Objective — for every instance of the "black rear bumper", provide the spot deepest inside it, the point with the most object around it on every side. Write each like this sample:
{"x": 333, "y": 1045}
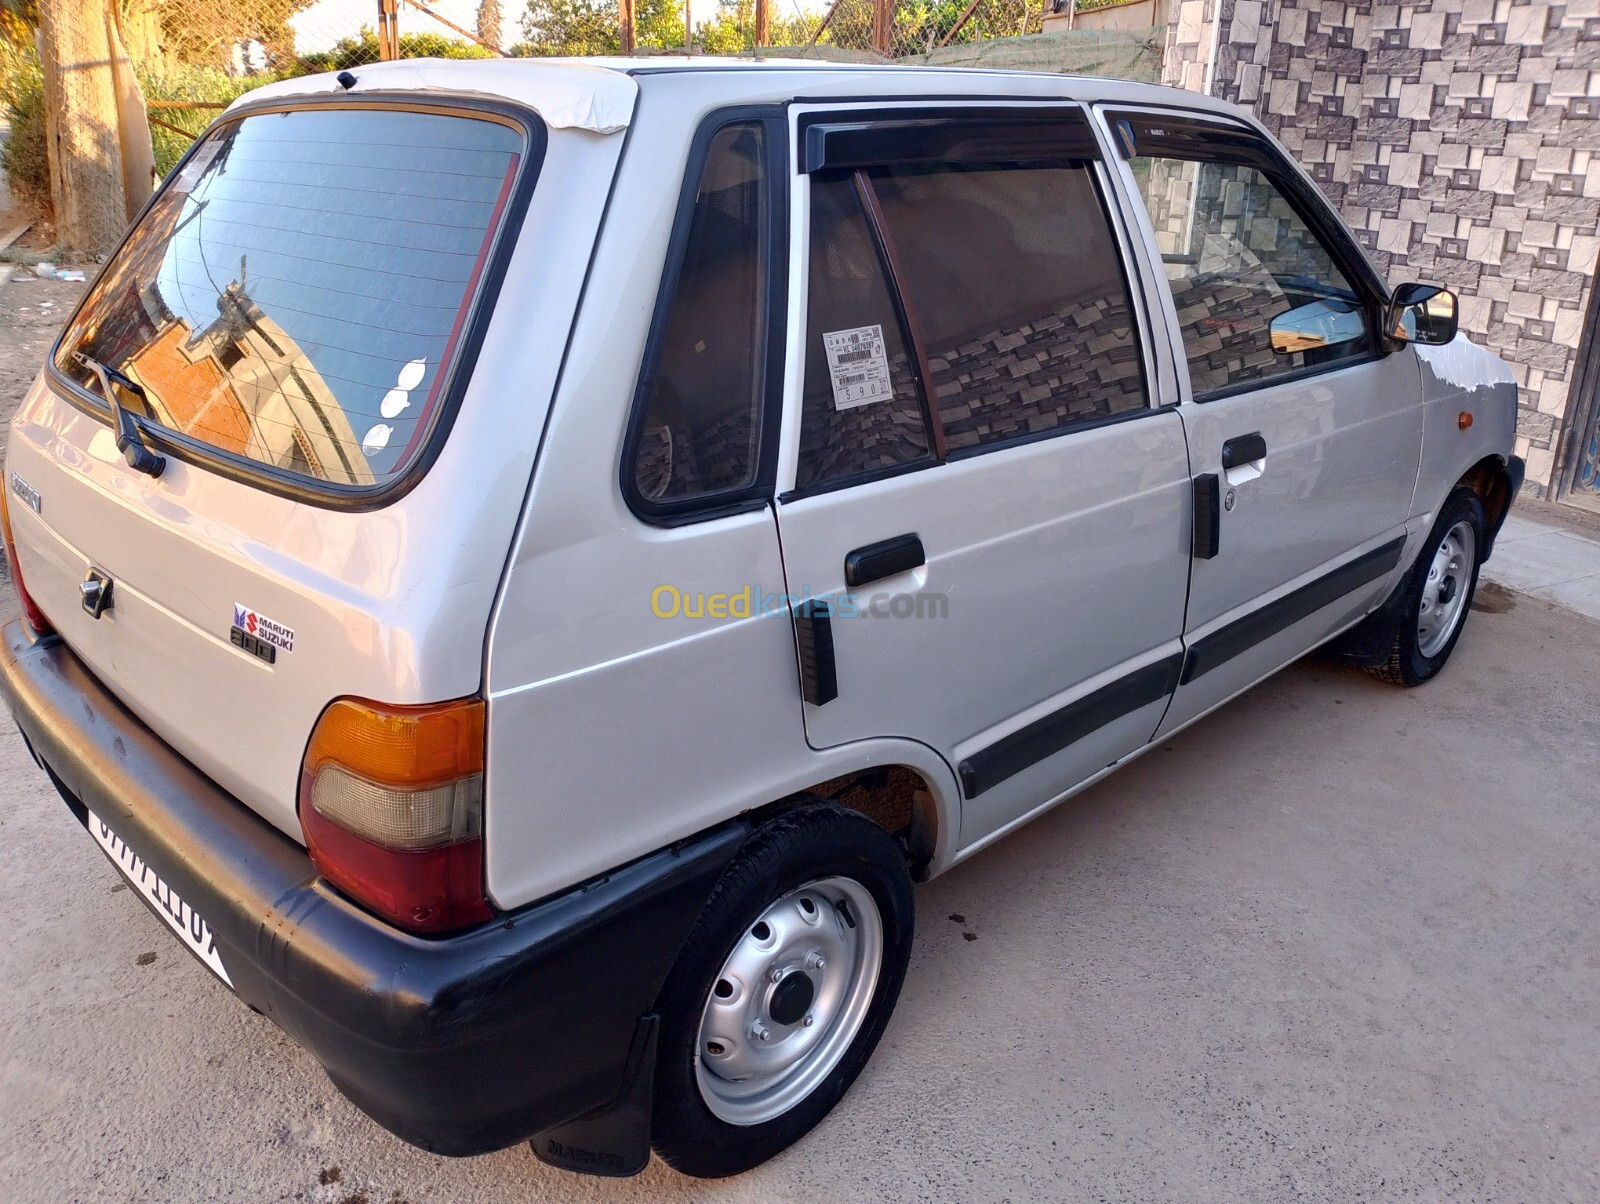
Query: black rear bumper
{"x": 460, "y": 1045}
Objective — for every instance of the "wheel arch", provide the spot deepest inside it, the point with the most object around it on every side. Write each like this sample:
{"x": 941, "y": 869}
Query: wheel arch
{"x": 904, "y": 787}
{"x": 1496, "y": 480}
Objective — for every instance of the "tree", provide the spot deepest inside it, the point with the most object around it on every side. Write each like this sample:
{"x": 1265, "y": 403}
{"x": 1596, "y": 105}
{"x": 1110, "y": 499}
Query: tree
{"x": 589, "y": 27}
{"x": 80, "y": 93}
{"x": 489, "y": 22}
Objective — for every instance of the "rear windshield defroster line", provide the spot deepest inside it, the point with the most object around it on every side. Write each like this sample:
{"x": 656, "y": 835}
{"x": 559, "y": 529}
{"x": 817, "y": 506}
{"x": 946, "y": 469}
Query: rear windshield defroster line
{"x": 302, "y": 300}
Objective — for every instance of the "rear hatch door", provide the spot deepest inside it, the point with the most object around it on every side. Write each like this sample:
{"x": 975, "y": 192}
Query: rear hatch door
{"x": 290, "y": 322}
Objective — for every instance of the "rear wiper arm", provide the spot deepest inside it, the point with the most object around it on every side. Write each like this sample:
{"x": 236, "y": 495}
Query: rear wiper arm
{"x": 130, "y": 439}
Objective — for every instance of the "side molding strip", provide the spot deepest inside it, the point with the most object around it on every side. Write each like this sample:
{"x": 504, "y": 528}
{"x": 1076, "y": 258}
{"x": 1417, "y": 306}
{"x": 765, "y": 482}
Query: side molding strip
{"x": 1242, "y": 634}
{"x": 1044, "y": 737}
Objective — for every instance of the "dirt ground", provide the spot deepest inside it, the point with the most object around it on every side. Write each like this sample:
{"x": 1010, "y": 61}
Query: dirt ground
{"x": 1335, "y": 942}
{"x": 31, "y": 315}
{"x": 31, "y": 310}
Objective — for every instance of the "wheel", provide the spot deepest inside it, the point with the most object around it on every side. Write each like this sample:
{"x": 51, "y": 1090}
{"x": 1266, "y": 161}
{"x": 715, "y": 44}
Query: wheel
{"x": 1438, "y": 593}
{"x": 785, "y": 984}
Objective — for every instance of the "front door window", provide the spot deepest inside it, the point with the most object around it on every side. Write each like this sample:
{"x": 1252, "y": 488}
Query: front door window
{"x": 1258, "y": 293}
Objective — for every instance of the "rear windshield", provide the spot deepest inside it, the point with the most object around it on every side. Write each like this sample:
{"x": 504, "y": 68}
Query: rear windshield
{"x": 296, "y": 293}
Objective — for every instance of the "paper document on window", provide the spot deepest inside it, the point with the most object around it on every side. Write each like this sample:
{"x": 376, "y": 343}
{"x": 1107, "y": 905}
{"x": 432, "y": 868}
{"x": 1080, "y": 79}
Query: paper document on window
{"x": 859, "y": 366}
{"x": 197, "y": 165}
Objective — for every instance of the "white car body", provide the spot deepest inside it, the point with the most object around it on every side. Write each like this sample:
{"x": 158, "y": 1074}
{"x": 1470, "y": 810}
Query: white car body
{"x": 514, "y": 569}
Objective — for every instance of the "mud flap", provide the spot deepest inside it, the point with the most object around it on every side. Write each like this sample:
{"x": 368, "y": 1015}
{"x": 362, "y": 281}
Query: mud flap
{"x": 1367, "y": 644}
{"x": 616, "y": 1140}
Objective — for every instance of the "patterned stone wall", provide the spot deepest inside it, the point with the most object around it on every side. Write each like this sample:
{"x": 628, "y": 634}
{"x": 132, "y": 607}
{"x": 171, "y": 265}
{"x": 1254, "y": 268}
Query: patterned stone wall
{"x": 1461, "y": 139}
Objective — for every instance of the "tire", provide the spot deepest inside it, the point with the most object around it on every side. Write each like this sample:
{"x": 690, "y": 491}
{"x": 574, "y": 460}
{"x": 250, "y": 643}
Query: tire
{"x": 1438, "y": 593}
{"x": 802, "y": 900}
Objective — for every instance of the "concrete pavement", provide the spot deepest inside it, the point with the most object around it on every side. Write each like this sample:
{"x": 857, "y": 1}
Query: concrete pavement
{"x": 1335, "y": 942}
{"x": 1558, "y": 563}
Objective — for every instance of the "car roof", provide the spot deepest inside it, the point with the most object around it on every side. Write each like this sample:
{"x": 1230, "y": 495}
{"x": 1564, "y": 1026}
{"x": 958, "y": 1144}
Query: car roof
{"x": 600, "y": 94}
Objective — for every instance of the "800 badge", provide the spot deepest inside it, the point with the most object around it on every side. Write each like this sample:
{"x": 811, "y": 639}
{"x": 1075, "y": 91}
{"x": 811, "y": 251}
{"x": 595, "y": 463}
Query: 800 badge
{"x": 258, "y": 635}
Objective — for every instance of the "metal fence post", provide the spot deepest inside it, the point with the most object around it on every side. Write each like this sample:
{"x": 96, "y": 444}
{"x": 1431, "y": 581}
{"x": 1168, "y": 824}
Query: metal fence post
{"x": 388, "y": 29}
{"x": 625, "y": 25}
{"x": 883, "y": 27}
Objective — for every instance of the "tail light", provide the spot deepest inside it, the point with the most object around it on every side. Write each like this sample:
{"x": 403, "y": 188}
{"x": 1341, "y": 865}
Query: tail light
{"x": 391, "y": 803}
{"x": 30, "y": 611}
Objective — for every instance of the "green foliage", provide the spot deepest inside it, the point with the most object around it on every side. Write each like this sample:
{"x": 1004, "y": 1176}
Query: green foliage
{"x": 209, "y": 86}
{"x": 556, "y": 28}
{"x": 25, "y": 158}
{"x": 733, "y": 29}
{"x": 921, "y": 25}
{"x": 17, "y": 20}
{"x": 354, "y": 52}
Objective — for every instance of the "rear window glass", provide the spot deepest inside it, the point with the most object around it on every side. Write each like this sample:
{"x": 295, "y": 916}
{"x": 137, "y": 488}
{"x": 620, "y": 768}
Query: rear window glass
{"x": 296, "y": 293}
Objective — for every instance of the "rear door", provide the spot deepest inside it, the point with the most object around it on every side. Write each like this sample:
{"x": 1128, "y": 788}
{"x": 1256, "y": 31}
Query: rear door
{"x": 1304, "y": 431}
{"x": 984, "y": 512}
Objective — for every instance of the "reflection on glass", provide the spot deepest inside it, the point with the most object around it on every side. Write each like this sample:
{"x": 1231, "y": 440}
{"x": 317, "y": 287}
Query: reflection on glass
{"x": 295, "y": 290}
{"x": 1318, "y": 324}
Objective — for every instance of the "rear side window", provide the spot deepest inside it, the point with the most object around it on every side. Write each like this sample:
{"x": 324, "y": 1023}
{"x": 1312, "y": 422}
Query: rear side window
{"x": 296, "y": 295}
{"x": 698, "y": 434}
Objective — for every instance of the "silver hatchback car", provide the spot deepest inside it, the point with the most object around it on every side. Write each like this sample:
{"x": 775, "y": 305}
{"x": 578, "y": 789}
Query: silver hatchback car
{"x": 524, "y": 563}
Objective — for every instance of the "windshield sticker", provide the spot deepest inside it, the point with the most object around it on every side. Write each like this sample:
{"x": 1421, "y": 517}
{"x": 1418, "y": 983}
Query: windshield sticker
{"x": 411, "y": 375}
{"x": 375, "y": 440}
{"x": 196, "y": 166}
{"x": 398, "y": 398}
{"x": 858, "y": 365}
{"x": 258, "y": 635}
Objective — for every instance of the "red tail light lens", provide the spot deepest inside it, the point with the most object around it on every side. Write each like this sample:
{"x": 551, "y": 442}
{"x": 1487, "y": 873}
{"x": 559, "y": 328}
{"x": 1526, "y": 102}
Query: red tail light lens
{"x": 30, "y": 611}
{"x": 391, "y": 803}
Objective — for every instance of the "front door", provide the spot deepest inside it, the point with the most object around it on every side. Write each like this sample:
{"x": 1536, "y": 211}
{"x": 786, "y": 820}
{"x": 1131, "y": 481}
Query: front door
{"x": 1305, "y": 433}
{"x": 987, "y": 519}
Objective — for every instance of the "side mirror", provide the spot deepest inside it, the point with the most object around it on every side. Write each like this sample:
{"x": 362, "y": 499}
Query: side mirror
{"x": 1423, "y": 313}
{"x": 1324, "y": 323}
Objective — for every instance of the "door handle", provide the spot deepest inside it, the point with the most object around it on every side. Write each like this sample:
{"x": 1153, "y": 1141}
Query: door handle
{"x": 883, "y": 559}
{"x": 1244, "y": 449}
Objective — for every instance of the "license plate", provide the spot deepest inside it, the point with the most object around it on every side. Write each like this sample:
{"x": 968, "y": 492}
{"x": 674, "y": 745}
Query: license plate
{"x": 180, "y": 917}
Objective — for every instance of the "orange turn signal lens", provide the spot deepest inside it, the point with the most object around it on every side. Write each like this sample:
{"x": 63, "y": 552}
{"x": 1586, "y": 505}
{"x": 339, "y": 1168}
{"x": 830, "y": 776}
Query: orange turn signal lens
{"x": 1464, "y": 419}
{"x": 400, "y": 746}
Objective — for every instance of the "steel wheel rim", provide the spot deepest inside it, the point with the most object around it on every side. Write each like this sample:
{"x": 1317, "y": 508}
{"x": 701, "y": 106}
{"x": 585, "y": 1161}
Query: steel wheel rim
{"x": 1444, "y": 592}
{"x": 829, "y": 932}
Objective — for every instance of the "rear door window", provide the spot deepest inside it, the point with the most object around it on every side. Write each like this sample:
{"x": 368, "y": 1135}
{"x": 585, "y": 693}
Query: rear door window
{"x": 1019, "y": 290}
{"x": 862, "y": 411}
{"x": 966, "y": 292}
{"x": 296, "y": 296}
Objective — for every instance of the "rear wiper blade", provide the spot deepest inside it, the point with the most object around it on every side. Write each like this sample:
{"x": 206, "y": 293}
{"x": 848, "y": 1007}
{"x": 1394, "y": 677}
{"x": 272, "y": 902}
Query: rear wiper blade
{"x": 130, "y": 439}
